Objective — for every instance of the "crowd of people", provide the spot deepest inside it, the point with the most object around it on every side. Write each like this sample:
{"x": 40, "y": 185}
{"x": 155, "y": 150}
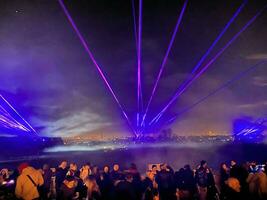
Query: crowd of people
{"x": 161, "y": 182}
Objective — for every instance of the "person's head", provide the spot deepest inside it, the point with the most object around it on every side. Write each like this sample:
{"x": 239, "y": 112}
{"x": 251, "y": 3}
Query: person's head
{"x": 181, "y": 170}
{"x": 163, "y": 166}
{"x": 224, "y": 167}
{"x": 116, "y": 167}
{"x": 203, "y": 163}
{"x": 106, "y": 169}
{"x": 234, "y": 184}
{"x": 73, "y": 167}
{"x": 4, "y": 173}
{"x": 22, "y": 166}
{"x": 133, "y": 166}
{"x": 233, "y": 163}
{"x": 86, "y": 166}
{"x": 187, "y": 167}
{"x": 154, "y": 169}
{"x": 150, "y": 175}
{"x": 95, "y": 169}
{"x": 63, "y": 164}
{"x": 46, "y": 167}
{"x": 129, "y": 177}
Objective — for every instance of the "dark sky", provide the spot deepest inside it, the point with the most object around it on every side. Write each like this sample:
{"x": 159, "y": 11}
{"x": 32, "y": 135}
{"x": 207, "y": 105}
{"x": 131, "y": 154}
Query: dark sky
{"x": 46, "y": 74}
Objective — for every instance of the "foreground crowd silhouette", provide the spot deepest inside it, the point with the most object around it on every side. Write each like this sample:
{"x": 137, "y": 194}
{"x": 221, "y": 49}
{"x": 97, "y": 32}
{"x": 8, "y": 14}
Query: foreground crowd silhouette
{"x": 161, "y": 182}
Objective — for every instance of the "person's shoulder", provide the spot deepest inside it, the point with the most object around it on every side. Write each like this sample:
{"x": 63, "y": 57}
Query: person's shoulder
{"x": 20, "y": 177}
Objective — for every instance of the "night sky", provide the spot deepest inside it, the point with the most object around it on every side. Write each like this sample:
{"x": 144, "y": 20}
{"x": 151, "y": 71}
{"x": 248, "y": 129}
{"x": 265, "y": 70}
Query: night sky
{"x": 48, "y": 77}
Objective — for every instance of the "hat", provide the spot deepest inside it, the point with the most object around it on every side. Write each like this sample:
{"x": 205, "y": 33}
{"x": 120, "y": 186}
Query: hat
{"x": 22, "y": 166}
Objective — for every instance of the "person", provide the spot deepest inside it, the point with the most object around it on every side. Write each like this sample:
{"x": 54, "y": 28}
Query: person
{"x": 96, "y": 173}
{"x": 73, "y": 170}
{"x": 5, "y": 174}
{"x": 93, "y": 191}
{"x": 262, "y": 184}
{"x": 47, "y": 176}
{"x": 224, "y": 175}
{"x": 212, "y": 192}
{"x": 166, "y": 183}
{"x": 116, "y": 173}
{"x": 28, "y": 182}
{"x": 137, "y": 184}
{"x": 150, "y": 186}
{"x": 85, "y": 171}
{"x": 232, "y": 189}
{"x": 124, "y": 189}
{"x": 105, "y": 183}
{"x": 186, "y": 183}
{"x": 202, "y": 180}
{"x": 154, "y": 169}
{"x": 61, "y": 172}
{"x": 68, "y": 189}
{"x": 241, "y": 173}
{"x": 257, "y": 183}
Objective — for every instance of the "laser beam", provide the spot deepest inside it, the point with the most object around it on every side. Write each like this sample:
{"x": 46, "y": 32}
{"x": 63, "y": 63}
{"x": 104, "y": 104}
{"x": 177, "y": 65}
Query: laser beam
{"x": 139, "y": 53}
{"x": 90, "y": 54}
{"x": 214, "y": 92}
{"x": 179, "y": 92}
{"x": 165, "y": 60}
{"x": 134, "y": 25}
{"x": 20, "y": 125}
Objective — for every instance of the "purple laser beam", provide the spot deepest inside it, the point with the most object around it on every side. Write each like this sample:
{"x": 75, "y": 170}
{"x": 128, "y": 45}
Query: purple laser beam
{"x": 213, "y": 45}
{"x": 139, "y": 51}
{"x": 178, "y": 93}
{"x": 134, "y": 26}
{"x": 200, "y": 62}
{"x": 223, "y": 86}
{"x": 8, "y": 121}
{"x": 18, "y": 114}
{"x": 75, "y": 28}
{"x": 165, "y": 59}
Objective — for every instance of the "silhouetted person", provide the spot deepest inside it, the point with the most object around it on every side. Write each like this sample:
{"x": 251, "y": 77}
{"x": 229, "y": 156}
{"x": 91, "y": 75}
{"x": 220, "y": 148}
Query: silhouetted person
{"x": 68, "y": 189}
{"x": 116, "y": 173}
{"x": 224, "y": 175}
{"x": 105, "y": 183}
{"x": 166, "y": 184}
{"x": 124, "y": 189}
{"x": 203, "y": 178}
{"x": 47, "y": 175}
{"x": 61, "y": 172}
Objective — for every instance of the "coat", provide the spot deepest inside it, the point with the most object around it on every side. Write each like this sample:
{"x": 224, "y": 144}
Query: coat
{"x": 25, "y": 189}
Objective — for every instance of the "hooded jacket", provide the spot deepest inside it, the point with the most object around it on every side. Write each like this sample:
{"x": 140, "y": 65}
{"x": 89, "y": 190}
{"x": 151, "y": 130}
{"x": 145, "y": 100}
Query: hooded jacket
{"x": 25, "y": 189}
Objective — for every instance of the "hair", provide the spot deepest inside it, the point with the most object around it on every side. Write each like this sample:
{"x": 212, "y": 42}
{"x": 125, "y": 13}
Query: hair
{"x": 187, "y": 167}
{"x": 203, "y": 162}
{"x": 94, "y": 187}
{"x": 153, "y": 166}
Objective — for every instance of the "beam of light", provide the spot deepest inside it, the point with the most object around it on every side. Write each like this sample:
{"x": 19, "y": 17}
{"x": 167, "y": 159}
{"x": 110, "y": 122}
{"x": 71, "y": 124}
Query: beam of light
{"x": 214, "y": 92}
{"x": 211, "y": 61}
{"x": 134, "y": 26}
{"x": 18, "y": 114}
{"x": 165, "y": 59}
{"x": 136, "y": 44}
{"x": 219, "y": 37}
{"x": 139, "y": 52}
{"x": 200, "y": 62}
{"x": 78, "y": 33}
{"x": 9, "y": 122}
